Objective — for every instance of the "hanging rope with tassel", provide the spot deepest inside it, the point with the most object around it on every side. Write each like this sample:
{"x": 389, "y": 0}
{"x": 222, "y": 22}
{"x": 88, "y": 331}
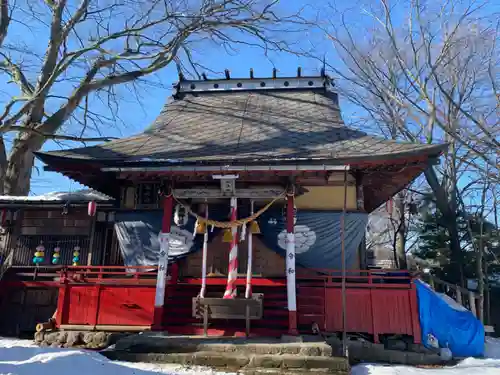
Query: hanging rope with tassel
{"x": 229, "y": 224}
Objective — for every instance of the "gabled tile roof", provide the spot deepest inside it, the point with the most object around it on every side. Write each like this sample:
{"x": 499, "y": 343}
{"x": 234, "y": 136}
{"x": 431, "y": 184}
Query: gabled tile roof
{"x": 248, "y": 126}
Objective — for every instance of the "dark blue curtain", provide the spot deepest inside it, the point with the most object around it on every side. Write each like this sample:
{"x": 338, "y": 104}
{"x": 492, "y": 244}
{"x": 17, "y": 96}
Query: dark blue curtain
{"x": 137, "y": 234}
{"x": 317, "y": 236}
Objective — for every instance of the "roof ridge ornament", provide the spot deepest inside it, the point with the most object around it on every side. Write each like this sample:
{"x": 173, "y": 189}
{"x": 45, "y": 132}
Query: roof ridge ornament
{"x": 229, "y": 84}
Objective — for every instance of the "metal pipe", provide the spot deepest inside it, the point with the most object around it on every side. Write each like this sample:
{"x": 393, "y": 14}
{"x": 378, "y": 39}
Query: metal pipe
{"x": 290, "y": 265}
{"x": 342, "y": 237}
{"x": 230, "y": 168}
{"x": 248, "y": 290}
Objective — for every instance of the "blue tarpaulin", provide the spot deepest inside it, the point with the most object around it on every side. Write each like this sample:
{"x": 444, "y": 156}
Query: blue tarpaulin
{"x": 453, "y": 326}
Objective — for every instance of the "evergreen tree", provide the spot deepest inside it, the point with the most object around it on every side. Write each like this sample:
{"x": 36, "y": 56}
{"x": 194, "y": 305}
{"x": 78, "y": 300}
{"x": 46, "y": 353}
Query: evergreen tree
{"x": 434, "y": 242}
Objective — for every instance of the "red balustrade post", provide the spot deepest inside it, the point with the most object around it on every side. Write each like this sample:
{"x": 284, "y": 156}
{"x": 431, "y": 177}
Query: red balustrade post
{"x": 415, "y": 316}
{"x": 174, "y": 273}
{"x": 161, "y": 279}
{"x": 62, "y": 305}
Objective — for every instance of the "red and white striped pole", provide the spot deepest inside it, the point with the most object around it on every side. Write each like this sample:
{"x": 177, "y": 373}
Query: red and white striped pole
{"x": 232, "y": 273}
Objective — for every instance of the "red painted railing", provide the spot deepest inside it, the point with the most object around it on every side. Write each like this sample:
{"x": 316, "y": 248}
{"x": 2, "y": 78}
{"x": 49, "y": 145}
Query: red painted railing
{"x": 377, "y": 302}
{"x": 122, "y": 275}
{"x": 106, "y": 296}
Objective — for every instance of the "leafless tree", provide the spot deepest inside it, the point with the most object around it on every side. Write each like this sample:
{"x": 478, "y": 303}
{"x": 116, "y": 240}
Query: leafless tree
{"x": 425, "y": 72}
{"x": 91, "y": 47}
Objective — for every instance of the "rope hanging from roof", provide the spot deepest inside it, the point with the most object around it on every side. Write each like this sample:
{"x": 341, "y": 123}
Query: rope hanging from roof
{"x": 229, "y": 224}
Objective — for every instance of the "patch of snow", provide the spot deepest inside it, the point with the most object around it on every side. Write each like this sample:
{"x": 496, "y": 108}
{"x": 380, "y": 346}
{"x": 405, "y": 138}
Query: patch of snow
{"x": 22, "y": 357}
{"x": 492, "y": 348}
{"x": 469, "y": 366}
{"x": 86, "y": 195}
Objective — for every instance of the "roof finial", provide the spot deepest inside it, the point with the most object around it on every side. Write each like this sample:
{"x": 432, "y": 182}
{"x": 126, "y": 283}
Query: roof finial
{"x": 251, "y": 73}
{"x": 274, "y": 73}
{"x": 226, "y": 72}
{"x": 204, "y": 76}
{"x": 323, "y": 69}
{"x": 299, "y": 72}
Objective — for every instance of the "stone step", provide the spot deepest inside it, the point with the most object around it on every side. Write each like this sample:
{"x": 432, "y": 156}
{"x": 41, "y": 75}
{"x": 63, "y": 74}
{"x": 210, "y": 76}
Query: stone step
{"x": 176, "y": 344}
{"x": 249, "y": 364}
{"x": 271, "y": 371}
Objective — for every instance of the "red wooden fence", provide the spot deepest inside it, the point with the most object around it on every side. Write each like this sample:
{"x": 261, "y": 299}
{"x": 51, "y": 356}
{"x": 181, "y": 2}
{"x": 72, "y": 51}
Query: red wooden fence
{"x": 376, "y": 302}
{"x": 106, "y": 296}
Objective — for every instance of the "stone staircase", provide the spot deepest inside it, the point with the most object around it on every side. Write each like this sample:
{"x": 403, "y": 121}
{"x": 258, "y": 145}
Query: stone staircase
{"x": 245, "y": 356}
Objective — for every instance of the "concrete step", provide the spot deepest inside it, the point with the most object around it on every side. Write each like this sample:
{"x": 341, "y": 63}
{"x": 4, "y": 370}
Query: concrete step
{"x": 150, "y": 343}
{"x": 248, "y": 363}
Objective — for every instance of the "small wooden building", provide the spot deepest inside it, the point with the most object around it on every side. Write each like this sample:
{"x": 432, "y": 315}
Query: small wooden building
{"x": 246, "y": 199}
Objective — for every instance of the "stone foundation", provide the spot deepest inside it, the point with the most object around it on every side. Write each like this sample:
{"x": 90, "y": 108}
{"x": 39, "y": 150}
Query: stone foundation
{"x": 79, "y": 339}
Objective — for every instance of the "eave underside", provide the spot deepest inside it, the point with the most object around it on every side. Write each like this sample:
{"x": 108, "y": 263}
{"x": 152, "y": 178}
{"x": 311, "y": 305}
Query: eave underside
{"x": 381, "y": 180}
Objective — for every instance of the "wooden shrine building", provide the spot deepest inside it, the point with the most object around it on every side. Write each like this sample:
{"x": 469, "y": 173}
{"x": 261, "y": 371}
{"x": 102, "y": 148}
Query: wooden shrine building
{"x": 243, "y": 207}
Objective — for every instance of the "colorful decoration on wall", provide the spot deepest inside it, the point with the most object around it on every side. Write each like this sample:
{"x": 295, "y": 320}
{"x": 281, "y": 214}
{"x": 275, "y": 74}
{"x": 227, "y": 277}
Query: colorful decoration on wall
{"x": 39, "y": 254}
{"x": 76, "y": 255}
{"x": 56, "y": 256}
{"x": 92, "y": 208}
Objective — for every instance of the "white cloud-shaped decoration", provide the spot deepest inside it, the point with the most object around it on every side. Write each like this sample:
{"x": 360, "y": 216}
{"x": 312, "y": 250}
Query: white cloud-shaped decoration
{"x": 180, "y": 241}
{"x": 304, "y": 239}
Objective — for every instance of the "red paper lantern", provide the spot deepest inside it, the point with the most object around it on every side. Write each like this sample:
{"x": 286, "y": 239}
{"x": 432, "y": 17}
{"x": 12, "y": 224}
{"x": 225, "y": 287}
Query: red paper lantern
{"x": 92, "y": 208}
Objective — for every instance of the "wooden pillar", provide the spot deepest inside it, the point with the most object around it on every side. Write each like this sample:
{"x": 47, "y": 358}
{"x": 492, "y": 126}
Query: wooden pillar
{"x": 90, "y": 254}
{"x": 343, "y": 260}
{"x": 161, "y": 279}
{"x": 290, "y": 266}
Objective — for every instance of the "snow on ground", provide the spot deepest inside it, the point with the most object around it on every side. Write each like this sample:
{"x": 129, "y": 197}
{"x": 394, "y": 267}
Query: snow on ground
{"x": 22, "y": 357}
{"x": 469, "y": 366}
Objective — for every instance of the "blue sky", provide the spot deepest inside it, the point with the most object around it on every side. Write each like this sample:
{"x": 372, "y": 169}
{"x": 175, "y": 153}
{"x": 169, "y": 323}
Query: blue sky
{"x": 137, "y": 115}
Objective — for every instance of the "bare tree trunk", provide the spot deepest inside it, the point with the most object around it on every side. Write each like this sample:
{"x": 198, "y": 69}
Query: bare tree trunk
{"x": 450, "y": 219}
{"x": 480, "y": 251}
{"x": 20, "y": 164}
{"x": 400, "y": 245}
{"x": 3, "y": 164}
